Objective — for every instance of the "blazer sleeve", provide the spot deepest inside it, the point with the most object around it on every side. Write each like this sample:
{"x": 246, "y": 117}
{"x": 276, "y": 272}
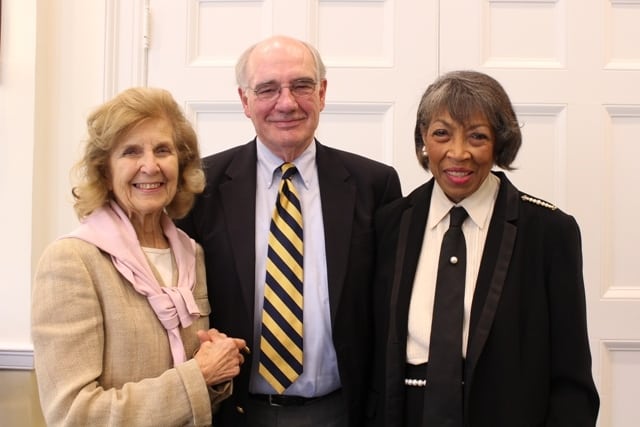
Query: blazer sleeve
{"x": 393, "y": 189}
{"x": 573, "y": 396}
{"x": 69, "y": 341}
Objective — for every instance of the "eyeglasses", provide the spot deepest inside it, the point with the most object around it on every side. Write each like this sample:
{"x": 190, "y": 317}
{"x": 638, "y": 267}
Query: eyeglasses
{"x": 271, "y": 91}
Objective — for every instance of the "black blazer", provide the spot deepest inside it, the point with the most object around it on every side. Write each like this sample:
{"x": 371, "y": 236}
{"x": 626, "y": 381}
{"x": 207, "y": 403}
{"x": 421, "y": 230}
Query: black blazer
{"x": 528, "y": 360}
{"x": 352, "y": 188}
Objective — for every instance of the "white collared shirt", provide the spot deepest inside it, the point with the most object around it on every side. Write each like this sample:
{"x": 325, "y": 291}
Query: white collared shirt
{"x": 479, "y": 206}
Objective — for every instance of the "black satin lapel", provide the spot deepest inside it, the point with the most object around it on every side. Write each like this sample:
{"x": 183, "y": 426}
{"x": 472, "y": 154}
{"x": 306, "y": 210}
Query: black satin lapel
{"x": 401, "y": 250}
{"x": 495, "y": 262}
{"x": 421, "y": 199}
{"x": 482, "y": 325}
{"x": 397, "y": 338}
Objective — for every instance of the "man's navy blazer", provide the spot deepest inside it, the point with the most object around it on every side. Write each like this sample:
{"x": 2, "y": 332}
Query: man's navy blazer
{"x": 352, "y": 188}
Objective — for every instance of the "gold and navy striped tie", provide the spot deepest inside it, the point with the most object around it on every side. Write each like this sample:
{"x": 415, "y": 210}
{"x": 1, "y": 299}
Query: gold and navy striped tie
{"x": 281, "y": 340}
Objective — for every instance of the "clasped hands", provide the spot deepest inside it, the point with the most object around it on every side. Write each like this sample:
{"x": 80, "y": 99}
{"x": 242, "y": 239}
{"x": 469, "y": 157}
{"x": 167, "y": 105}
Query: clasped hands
{"x": 219, "y": 356}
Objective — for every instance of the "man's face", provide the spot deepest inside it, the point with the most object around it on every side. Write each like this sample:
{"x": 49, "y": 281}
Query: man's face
{"x": 285, "y": 122}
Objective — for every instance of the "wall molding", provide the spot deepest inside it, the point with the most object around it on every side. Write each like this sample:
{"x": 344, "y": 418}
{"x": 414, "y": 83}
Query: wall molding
{"x": 16, "y": 359}
{"x": 126, "y": 45}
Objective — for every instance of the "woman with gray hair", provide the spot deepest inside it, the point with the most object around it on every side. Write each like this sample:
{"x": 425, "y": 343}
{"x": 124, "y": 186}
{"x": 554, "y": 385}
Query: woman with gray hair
{"x": 479, "y": 297}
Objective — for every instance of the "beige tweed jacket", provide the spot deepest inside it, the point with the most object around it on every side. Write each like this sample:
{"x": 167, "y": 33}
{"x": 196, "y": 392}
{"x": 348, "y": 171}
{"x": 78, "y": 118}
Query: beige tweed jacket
{"x": 102, "y": 358}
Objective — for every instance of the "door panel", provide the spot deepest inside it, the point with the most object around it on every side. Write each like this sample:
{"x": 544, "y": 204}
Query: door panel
{"x": 572, "y": 72}
{"x": 374, "y": 79}
{"x": 571, "y": 68}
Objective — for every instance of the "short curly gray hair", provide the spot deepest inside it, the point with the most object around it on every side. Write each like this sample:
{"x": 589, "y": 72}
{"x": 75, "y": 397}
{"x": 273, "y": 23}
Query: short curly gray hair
{"x": 463, "y": 94}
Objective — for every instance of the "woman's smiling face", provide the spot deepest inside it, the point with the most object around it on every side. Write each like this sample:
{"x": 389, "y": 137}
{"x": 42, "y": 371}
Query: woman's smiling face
{"x": 461, "y": 155}
{"x": 144, "y": 169}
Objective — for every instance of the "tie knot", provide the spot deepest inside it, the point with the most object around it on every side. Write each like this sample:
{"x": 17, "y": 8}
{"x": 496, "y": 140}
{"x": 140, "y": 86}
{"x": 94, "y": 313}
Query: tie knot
{"x": 457, "y": 216}
{"x": 288, "y": 170}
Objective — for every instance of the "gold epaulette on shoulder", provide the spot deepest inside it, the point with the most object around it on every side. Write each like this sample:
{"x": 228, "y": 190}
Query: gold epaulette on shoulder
{"x": 538, "y": 202}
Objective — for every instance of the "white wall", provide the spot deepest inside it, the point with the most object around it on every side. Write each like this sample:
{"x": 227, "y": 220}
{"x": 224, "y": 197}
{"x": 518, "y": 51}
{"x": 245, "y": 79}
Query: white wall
{"x": 51, "y": 75}
{"x": 17, "y": 113}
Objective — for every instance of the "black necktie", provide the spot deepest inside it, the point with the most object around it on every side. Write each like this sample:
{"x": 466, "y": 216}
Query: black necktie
{"x": 281, "y": 341}
{"x": 443, "y": 398}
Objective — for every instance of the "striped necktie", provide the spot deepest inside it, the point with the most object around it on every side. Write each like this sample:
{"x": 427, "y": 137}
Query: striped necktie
{"x": 281, "y": 340}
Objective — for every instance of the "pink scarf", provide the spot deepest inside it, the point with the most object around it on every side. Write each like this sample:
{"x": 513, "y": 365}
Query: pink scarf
{"x": 110, "y": 230}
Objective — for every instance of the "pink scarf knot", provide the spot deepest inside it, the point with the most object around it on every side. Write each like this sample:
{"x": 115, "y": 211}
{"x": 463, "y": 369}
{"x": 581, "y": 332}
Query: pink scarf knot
{"x": 110, "y": 229}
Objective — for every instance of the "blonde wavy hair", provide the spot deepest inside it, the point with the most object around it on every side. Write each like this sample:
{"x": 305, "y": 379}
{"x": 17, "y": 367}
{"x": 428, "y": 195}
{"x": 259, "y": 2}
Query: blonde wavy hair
{"x": 109, "y": 123}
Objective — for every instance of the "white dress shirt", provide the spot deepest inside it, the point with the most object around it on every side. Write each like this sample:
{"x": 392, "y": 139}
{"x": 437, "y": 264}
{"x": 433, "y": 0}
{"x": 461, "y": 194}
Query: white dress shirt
{"x": 479, "y": 206}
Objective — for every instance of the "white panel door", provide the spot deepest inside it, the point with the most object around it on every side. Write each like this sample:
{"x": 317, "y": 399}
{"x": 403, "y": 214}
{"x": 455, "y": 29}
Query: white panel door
{"x": 380, "y": 55}
{"x": 572, "y": 68}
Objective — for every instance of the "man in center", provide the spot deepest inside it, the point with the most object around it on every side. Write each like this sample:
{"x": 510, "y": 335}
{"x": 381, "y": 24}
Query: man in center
{"x": 287, "y": 220}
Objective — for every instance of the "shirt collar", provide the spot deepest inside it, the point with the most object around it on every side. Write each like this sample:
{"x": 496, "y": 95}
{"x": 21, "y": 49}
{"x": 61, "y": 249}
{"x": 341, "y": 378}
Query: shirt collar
{"x": 269, "y": 162}
{"x": 479, "y": 205}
